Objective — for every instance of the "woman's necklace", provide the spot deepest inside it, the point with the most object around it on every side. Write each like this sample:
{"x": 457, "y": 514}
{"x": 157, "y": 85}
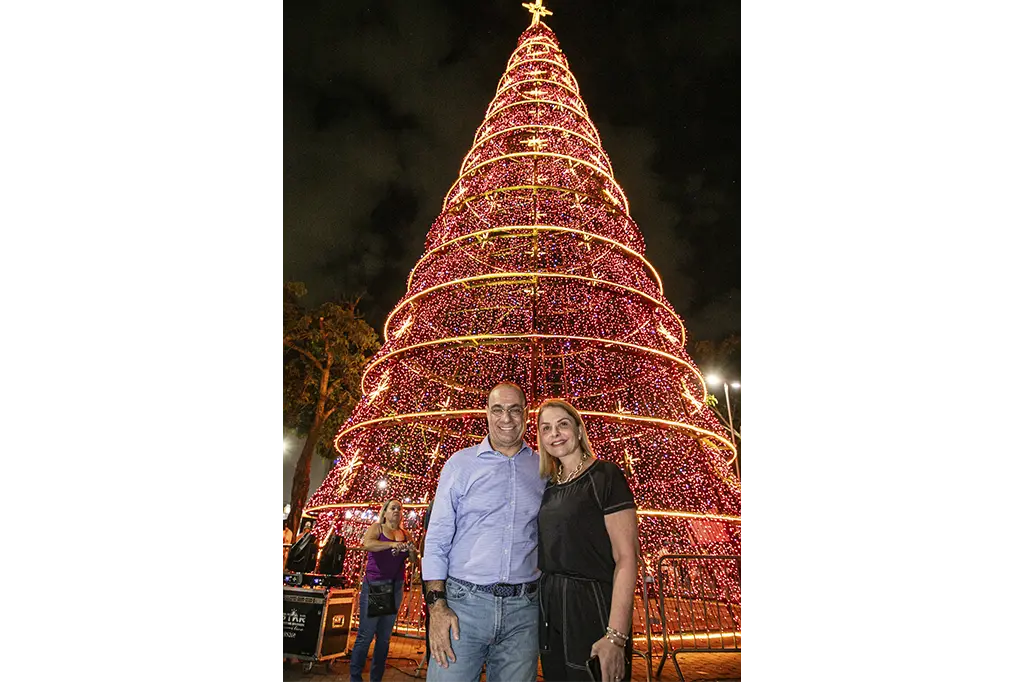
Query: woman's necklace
{"x": 558, "y": 476}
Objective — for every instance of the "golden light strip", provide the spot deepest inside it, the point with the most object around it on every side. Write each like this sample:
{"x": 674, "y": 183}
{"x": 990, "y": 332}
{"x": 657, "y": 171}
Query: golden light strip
{"x": 531, "y": 43}
{"x": 679, "y": 426}
{"x": 614, "y": 416}
{"x": 533, "y": 79}
{"x": 516, "y": 337}
{"x": 625, "y": 208}
{"x": 563, "y": 67}
{"x": 534, "y": 41}
{"x": 541, "y": 228}
{"x": 408, "y": 416}
{"x": 534, "y": 58}
{"x": 525, "y": 81}
{"x": 513, "y": 275}
{"x": 418, "y": 505}
{"x": 735, "y": 634}
{"x": 688, "y": 515}
{"x": 513, "y": 188}
{"x": 535, "y": 126}
{"x": 600, "y": 171}
{"x": 594, "y": 138}
{"x": 585, "y": 116}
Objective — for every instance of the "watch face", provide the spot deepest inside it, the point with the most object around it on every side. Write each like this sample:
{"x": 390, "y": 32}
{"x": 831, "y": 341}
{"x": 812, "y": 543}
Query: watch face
{"x": 434, "y": 595}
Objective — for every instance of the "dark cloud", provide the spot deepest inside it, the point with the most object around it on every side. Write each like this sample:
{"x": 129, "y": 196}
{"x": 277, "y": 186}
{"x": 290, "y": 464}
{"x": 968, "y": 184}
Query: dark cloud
{"x": 381, "y": 104}
{"x": 717, "y": 319}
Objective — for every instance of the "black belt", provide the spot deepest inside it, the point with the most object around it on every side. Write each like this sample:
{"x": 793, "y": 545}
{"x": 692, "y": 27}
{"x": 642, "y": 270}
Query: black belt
{"x": 500, "y": 589}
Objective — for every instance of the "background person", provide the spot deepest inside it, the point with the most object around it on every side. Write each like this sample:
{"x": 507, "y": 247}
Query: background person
{"x": 387, "y": 549}
{"x": 423, "y": 587}
{"x": 588, "y": 538}
{"x": 288, "y": 537}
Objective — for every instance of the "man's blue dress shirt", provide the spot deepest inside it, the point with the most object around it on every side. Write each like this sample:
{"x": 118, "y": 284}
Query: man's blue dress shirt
{"x": 483, "y": 527}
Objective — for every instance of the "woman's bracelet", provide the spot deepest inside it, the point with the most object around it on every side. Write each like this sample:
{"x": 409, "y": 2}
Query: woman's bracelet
{"x": 616, "y": 642}
{"x": 615, "y": 637}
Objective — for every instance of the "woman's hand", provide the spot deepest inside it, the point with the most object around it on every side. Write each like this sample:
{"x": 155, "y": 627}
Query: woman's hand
{"x": 612, "y": 657}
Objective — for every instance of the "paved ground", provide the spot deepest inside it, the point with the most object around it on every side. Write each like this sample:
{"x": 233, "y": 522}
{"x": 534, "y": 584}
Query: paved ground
{"x": 405, "y": 654}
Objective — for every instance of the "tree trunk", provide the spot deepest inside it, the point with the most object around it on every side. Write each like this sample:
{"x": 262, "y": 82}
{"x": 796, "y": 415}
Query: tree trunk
{"x": 300, "y": 479}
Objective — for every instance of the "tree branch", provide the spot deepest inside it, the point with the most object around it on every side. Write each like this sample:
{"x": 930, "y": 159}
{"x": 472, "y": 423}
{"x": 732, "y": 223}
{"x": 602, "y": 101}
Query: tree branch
{"x": 335, "y": 384}
{"x": 303, "y": 351}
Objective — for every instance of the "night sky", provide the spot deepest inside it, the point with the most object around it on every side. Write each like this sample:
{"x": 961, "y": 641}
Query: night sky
{"x": 381, "y": 101}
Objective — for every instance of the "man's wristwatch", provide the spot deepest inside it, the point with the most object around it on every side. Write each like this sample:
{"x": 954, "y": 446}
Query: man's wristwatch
{"x": 434, "y": 595}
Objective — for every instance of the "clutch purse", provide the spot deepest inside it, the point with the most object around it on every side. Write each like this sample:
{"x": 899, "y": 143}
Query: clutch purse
{"x": 381, "y": 600}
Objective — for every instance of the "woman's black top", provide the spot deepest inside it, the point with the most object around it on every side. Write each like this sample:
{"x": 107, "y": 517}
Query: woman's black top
{"x": 573, "y": 540}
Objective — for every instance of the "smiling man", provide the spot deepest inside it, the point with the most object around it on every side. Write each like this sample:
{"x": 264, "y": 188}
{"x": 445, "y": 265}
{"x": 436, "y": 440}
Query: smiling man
{"x": 480, "y": 553}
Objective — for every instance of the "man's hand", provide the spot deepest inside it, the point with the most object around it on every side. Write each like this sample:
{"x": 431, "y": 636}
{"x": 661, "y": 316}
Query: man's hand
{"x": 442, "y": 619}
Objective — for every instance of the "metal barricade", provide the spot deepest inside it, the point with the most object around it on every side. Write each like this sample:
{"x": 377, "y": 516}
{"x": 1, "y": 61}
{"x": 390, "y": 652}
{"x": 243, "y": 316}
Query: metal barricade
{"x": 691, "y": 604}
{"x": 642, "y": 621}
{"x": 411, "y": 615}
{"x": 698, "y": 605}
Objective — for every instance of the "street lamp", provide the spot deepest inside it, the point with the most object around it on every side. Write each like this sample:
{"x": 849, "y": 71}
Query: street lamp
{"x": 714, "y": 380}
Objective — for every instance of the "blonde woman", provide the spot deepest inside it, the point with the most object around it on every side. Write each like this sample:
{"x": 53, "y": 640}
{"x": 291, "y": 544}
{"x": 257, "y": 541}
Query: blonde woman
{"x": 387, "y": 547}
{"x": 587, "y": 553}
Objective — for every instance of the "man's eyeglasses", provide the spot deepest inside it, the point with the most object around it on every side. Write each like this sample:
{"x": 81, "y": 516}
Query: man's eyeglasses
{"x": 515, "y": 411}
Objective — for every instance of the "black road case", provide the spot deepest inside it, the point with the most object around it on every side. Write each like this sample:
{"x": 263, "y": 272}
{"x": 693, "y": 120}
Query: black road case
{"x": 317, "y": 623}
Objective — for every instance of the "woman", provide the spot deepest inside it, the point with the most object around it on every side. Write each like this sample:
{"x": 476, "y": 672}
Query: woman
{"x": 587, "y": 553}
{"x": 387, "y": 549}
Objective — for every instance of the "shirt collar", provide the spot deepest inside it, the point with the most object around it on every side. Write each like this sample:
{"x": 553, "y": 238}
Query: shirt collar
{"x": 485, "y": 446}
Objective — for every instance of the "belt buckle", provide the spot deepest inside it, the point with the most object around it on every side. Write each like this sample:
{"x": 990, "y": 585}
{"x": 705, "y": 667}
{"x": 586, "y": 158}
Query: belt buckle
{"x": 504, "y": 590}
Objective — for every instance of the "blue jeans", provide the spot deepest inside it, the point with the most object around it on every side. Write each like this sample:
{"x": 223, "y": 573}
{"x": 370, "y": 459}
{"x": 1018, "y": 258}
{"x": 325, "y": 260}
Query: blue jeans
{"x": 380, "y": 626}
{"x": 498, "y": 631}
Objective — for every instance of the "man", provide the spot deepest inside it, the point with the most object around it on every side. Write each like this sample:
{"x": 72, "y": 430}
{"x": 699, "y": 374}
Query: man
{"x": 288, "y": 537}
{"x": 480, "y": 553}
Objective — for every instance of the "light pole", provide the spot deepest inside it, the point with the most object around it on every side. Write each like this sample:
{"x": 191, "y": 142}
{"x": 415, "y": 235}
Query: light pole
{"x": 714, "y": 380}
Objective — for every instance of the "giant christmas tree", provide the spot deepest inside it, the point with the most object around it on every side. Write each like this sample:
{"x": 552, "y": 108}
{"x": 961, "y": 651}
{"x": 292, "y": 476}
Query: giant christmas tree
{"x": 535, "y": 273}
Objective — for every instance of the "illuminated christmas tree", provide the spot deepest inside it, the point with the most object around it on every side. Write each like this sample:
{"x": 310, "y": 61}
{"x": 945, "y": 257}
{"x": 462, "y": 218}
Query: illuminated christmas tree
{"x": 535, "y": 273}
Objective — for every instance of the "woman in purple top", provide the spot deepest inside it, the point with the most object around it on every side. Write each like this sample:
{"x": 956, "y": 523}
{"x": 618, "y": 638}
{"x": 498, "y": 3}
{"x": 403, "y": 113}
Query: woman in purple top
{"x": 387, "y": 547}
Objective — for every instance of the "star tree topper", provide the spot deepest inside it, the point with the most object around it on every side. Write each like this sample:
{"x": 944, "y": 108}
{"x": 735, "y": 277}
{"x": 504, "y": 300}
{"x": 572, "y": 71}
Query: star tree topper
{"x": 538, "y": 10}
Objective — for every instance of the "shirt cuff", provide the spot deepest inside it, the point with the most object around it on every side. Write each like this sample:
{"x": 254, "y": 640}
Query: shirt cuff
{"x": 434, "y": 569}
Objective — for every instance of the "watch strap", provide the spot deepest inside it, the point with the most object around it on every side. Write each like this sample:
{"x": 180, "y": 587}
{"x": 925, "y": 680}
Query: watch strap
{"x": 433, "y": 595}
